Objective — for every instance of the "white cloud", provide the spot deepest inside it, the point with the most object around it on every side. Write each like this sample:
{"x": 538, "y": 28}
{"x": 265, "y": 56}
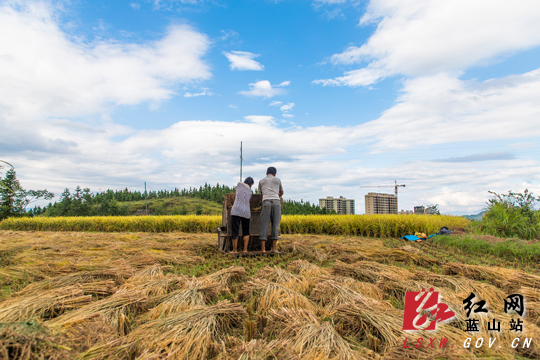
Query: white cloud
{"x": 263, "y": 88}
{"x": 441, "y": 109}
{"x": 228, "y": 34}
{"x": 135, "y": 6}
{"x": 243, "y": 60}
{"x": 275, "y": 103}
{"x": 288, "y": 116}
{"x": 46, "y": 72}
{"x": 287, "y": 107}
{"x": 204, "y": 92}
{"x": 233, "y": 106}
{"x": 418, "y": 37}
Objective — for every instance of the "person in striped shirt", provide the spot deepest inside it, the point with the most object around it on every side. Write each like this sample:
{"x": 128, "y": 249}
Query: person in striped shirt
{"x": 241, "y": 213}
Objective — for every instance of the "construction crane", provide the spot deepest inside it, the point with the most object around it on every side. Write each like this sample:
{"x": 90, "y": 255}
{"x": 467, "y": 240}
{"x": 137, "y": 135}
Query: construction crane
{"x": 395, "y": 186}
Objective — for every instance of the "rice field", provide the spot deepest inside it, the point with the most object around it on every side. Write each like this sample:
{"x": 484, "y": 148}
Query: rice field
{"x": 145, "y": 295}
{"x": 363, "y": 225}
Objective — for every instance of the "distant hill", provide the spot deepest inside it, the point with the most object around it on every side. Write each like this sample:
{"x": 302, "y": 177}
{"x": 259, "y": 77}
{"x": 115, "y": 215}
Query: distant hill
{"x": 173, "y": 206}
{"x": 477, "y": 217}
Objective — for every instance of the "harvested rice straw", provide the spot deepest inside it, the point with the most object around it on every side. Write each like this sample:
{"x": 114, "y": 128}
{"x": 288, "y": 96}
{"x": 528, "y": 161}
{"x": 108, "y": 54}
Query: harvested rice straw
{"x": 199, "y": 333}
{"x": 506, "y": 336}
{"x": 166, "y": 258}
{"x": 155, "y": 287}
{"x": 45, "y": 305}
{"x": 283, "y": 277}
{"x": 114, "y": 310}
{"x": 520, "y": 278}
{"x": 463, "y": 287}
{"x": 371, "y": 271}
{"x": 496, "y": 275}
{"x": 530, "y": 294}
{"x": 32, "y": 342}
{"x": 308, "y": 336}
{"x": 533, "y": 311}
{"x": 349, "y": 254}
{"x": 303, "y": 267}
{"x": 304, "y": 248}
{"x": 82, "y": 277}
{"x": 257, "y": 349}
{"x": 384, "y": 324}
{"x": 226, "y": 277}
{"x": 17, "y": 273}
{"x": 330, "y": 294}
{"x": 364, "y": 288}
{"x": 267, "y": 295}
{"x": 194, "y": 293}
{"x": 153, "y": 272}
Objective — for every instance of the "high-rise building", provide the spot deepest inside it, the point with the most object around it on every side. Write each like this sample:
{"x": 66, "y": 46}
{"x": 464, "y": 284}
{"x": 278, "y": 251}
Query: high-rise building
{"x": 419, "y": 210}
{"x": 377, "y": 203}
{"x": 340, "y": 205}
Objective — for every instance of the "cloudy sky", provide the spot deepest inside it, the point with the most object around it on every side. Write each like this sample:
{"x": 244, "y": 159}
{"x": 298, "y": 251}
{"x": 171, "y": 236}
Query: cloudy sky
{"x": 442, "y": 96}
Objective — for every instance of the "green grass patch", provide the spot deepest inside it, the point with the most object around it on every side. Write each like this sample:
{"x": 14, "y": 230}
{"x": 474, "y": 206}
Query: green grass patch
{"x": 511, "y": 250}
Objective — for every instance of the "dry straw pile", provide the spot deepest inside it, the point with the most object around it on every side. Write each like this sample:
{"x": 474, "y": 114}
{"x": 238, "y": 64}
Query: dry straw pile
{"x": 90, "y": 297}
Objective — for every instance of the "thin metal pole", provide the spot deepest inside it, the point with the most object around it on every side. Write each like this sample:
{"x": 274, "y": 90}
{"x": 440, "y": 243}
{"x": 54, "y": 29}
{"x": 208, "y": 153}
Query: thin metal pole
{"x": 241, "y": 159}
{"x": 145, "y": 199}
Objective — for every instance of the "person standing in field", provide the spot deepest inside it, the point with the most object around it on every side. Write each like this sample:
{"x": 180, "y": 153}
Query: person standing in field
{"x": 271, "y": 190}
{"x": 241, "y": 213}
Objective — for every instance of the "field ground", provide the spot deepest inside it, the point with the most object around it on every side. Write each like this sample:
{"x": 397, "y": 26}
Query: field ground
{"x": 103, "y": 295}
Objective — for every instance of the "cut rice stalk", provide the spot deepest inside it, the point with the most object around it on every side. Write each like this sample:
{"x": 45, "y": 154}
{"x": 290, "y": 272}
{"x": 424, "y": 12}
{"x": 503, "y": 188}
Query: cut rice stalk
{"x": 118, "y": 275}
{"x": 114, "y": 310}
{"x": 496, "y": 275}
{"x": 371, "y": 271}
{"x": 194, "y": 293}
{"x": 46, "y": 305}
{"x": 155, "y": 287}
{"x": 308, "y": 336}
{"x": 267, "y": 296}
{"x": 153, "y": 272}
{"x": 330, "y": 294}
{"x": 226, "y": 277}
{"x": 303, "y": 267}
{"x": 279, "y": 276}
{"x": 199, "y": 333}
{"x": 257, "y": 349}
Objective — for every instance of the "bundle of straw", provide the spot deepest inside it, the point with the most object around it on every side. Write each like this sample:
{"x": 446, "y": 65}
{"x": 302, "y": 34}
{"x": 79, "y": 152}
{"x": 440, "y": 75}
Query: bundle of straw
{"x": 520, "y": 278}
{"x": 304, "y": 248}
{"x": 155, "y": 287}
{"x": 193, "y": 293}
{"x": 308, "y": 336}
{"x": 257, "y": 349}
{"x": 279, "y": 276}
{"x": 371, "y": 271}
{"x": 46, "y": 305}
{"x": 226, "y": 277}
{"x": 118, "y": 275}
{"x": 153, "y": 272}
{"x": 267, "y": 295}
{"x": 17, "y": 273}
{"x": 31, "y": 341}
{"x": 303, "y": 267}
{"x": 199, "y": 333}
{"x": 330, "y": 294}
{"x": 496, "y": 275}
{"x": 114, "y": 310}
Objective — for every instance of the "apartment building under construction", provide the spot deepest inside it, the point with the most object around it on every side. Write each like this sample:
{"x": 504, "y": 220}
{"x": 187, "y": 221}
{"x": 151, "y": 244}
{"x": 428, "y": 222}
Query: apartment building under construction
{"x": 377, "y": 203}
{"x": 341, "y": 205}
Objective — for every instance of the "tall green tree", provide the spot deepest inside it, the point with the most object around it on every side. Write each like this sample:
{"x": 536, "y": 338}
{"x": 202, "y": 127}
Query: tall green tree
{"x": 14, "y": 199}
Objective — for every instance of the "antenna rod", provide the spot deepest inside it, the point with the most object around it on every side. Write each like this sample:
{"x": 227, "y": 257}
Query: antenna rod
{"x": 241, "y": 159}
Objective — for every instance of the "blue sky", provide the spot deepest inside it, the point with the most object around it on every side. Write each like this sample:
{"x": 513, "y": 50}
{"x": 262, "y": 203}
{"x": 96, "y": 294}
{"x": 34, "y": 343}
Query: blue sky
{"x": 337, "y": 94}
